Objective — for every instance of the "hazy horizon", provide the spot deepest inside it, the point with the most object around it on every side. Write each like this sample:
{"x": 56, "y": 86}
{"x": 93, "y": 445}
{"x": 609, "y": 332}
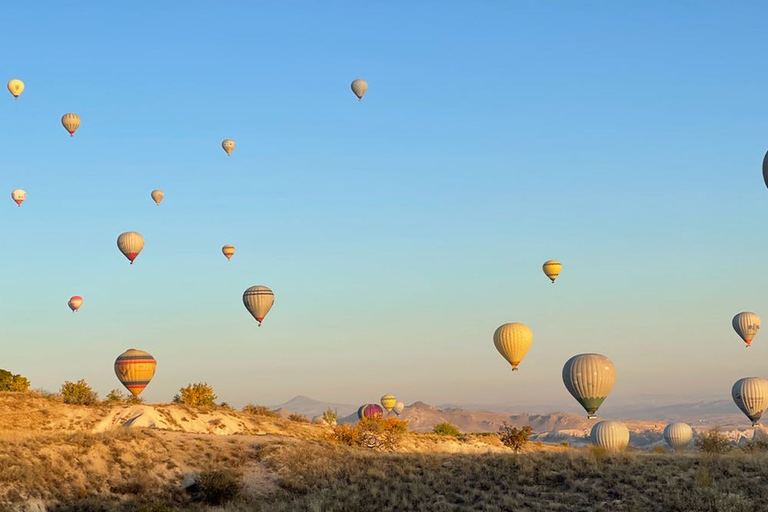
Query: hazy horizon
{"x": 399, "y": 232}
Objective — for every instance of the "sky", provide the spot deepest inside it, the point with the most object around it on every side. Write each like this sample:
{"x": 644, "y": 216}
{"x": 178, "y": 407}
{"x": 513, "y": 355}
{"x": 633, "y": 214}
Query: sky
{"x": 397, "y": 233}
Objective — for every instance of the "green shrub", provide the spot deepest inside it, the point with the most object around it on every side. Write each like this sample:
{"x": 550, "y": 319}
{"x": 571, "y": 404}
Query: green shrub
{"x": 713, "y": 442}
{"x": 115, "y": 397}
{"x": 259, "y": 410}
{"x": 514, "y": 438}
{"x": 446, "y": 429}
{"x": 216, "y": 487}
{"x": 78, "y": 393}
{"x": 11, "y": 382}
{"x": 196, "y": 395}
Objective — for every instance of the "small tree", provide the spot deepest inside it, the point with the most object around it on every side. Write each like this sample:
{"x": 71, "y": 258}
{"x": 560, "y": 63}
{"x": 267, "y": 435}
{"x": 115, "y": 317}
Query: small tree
{"x": 196, "y": 395}
{"x": 514, "y": 438}
{"x": 11, "y": 382}
{"x": 115, "y": 397}
{"x": 78, "y": 393}
{"x": 446, "y": 429}
{"x": 330, "y": 417}
{"x": 713, "y": 442}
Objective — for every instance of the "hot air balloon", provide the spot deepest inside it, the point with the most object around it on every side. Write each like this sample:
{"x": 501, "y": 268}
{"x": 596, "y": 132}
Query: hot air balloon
{"x": 130, "y": 244}
{"x": 398, "y": 408}
{"x": 751, "y": 396}
{"x": 359, "y": 87}
{"x": 16, "y": 87}
{"x": 71, "y": 123}
{"x": 678, "y": 435}
{"x": 370, "y": 411}
{"x": 157, "y": 196}
{"x": 513, "y": 340}
{"x": 765, "y": 168}
{"x": 746, "y": 324}
{"x": 18, "y": 195}
{"x": 388, "y": 402}
{"x": 134, "y": 369}
{"x": 228, "y": 250}
{"x": 589, "y": 378}
{"x": 258, "y": 301}
{"x": 611, "y": 435}
{"x": 228, "y": 145}
{"x": 75, "y": 302}
{"x": 552, "y": 269}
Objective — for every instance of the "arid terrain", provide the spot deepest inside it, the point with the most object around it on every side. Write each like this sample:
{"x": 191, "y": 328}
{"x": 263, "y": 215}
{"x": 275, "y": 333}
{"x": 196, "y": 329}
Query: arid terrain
{"x": 169, "y": 457}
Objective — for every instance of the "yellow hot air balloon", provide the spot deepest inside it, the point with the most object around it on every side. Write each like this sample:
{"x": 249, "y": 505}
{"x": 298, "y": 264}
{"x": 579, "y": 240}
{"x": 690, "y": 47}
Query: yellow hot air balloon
{"x": 134, "y": 369}
{"x": 18, "y": 196}
{"x": 611, "y": 435}
{"x": 746, "y": 324}
{"x": 513, "y": 340}
{"x": 359, "y": 87}
{"x": 751, "y": 396}
{"x": 157, "y": 196}
{"x": 228, "y": 145}
{"x": 130, "y": 244}
{"x": 552, "y": 269}
{"x": 228, "y": 250}
{"x": 589, "y": 378}
{"x": 258, "y": 301}
{"x": 388, "y": 402}
{"x": 71, "y": 123}
{"x": 16, "y": 87}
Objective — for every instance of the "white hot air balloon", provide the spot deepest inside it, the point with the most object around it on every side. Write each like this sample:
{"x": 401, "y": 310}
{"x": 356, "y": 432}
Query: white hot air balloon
{"x": 130, "y": 244}
{"x": 258, "y": 301}
{"x": 746, "y": 324}
{"x": 611, "y": 435}
{"x": 157, "y": 196}
{"x": 18, "y": 196}
{"x": 398, "y": 408}
{"x": 751, "y": 396}
{"x": 513, "y": 340}
{"x": 359, "y": 86}
{"x": 678, "y": 435}
{"x": 589, "y": 378}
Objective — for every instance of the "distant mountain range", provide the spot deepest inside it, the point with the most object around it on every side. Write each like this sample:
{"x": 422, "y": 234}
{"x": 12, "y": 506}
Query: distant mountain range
{"x": 488, "y": 418}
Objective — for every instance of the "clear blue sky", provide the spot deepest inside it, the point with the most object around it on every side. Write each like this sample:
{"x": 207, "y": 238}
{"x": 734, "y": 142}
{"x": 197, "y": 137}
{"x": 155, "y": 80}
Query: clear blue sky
{"x": 624, "y": 139}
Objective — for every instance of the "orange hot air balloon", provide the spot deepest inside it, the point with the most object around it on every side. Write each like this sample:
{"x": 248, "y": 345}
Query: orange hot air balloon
{"x": 130, "y": 244}
{"x": 135, "y": 369}
{"x": 70, "y": 122}
{"x": 228, "y": 250}
{"x": 75, "y": 302}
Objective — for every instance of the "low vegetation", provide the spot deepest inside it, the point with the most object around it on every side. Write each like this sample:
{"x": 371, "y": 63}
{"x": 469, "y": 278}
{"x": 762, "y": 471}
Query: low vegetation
{"x": 196, "y": 395}
{"x": 259, "y": 410}
{"x": 78, "y": 393}
{"x": 713, "y": 442}
{"x": 513, "y": 437}
{"x": 373, "y": 433}
{"x": 13, "y": 382}
{"x": 446, "y": 429}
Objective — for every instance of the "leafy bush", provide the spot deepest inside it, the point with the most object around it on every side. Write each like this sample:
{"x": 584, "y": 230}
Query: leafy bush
{"x": 196, "y": 395}
{"x": 756, "y": 446}
{"x": 374, "y": 433}
{"x": 11, "y": 382}
{"x": 216, "y": 487}
{"x": 330, "y": 416}
{"x": 299, "y": 418}
{"x": 259, "y": 410}
{"x": 446, "y": 429}
{"x": 713, "y": 442}
{"x": 115, "y": 397}
{"x": 514, "y": 438}
{"x": 78, "y": 393}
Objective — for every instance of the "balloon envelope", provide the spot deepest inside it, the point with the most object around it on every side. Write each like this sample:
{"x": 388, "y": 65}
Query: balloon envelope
{"x": 258, "y": 301}
{"x": 746, "y": 324}
{"x": 75, "y": 302}
{"x": 228, "y": 250}
{"x": 513, "y": 340}
{"x": 678, "y": 435}
{"x": 16, "y": 87}
{"x": 157, "y": 196}
{"x": 370, "y": 411}
{"x": 228, "y": 145}
{"x": 398, "y": 408}
{"x": 135, "y": 369}
{"x": 18, "y": 196}
{"x": 589, "y": 378}
{"x": 388, "y": 402}
{"x": 751, "y": 396}
{"x": 611, "y": 435}
{"x": 359, "y": 86}
{"x": 130, "y": 244}
{"x": 71, "y": 123}
{"x": 552, "y": 269}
